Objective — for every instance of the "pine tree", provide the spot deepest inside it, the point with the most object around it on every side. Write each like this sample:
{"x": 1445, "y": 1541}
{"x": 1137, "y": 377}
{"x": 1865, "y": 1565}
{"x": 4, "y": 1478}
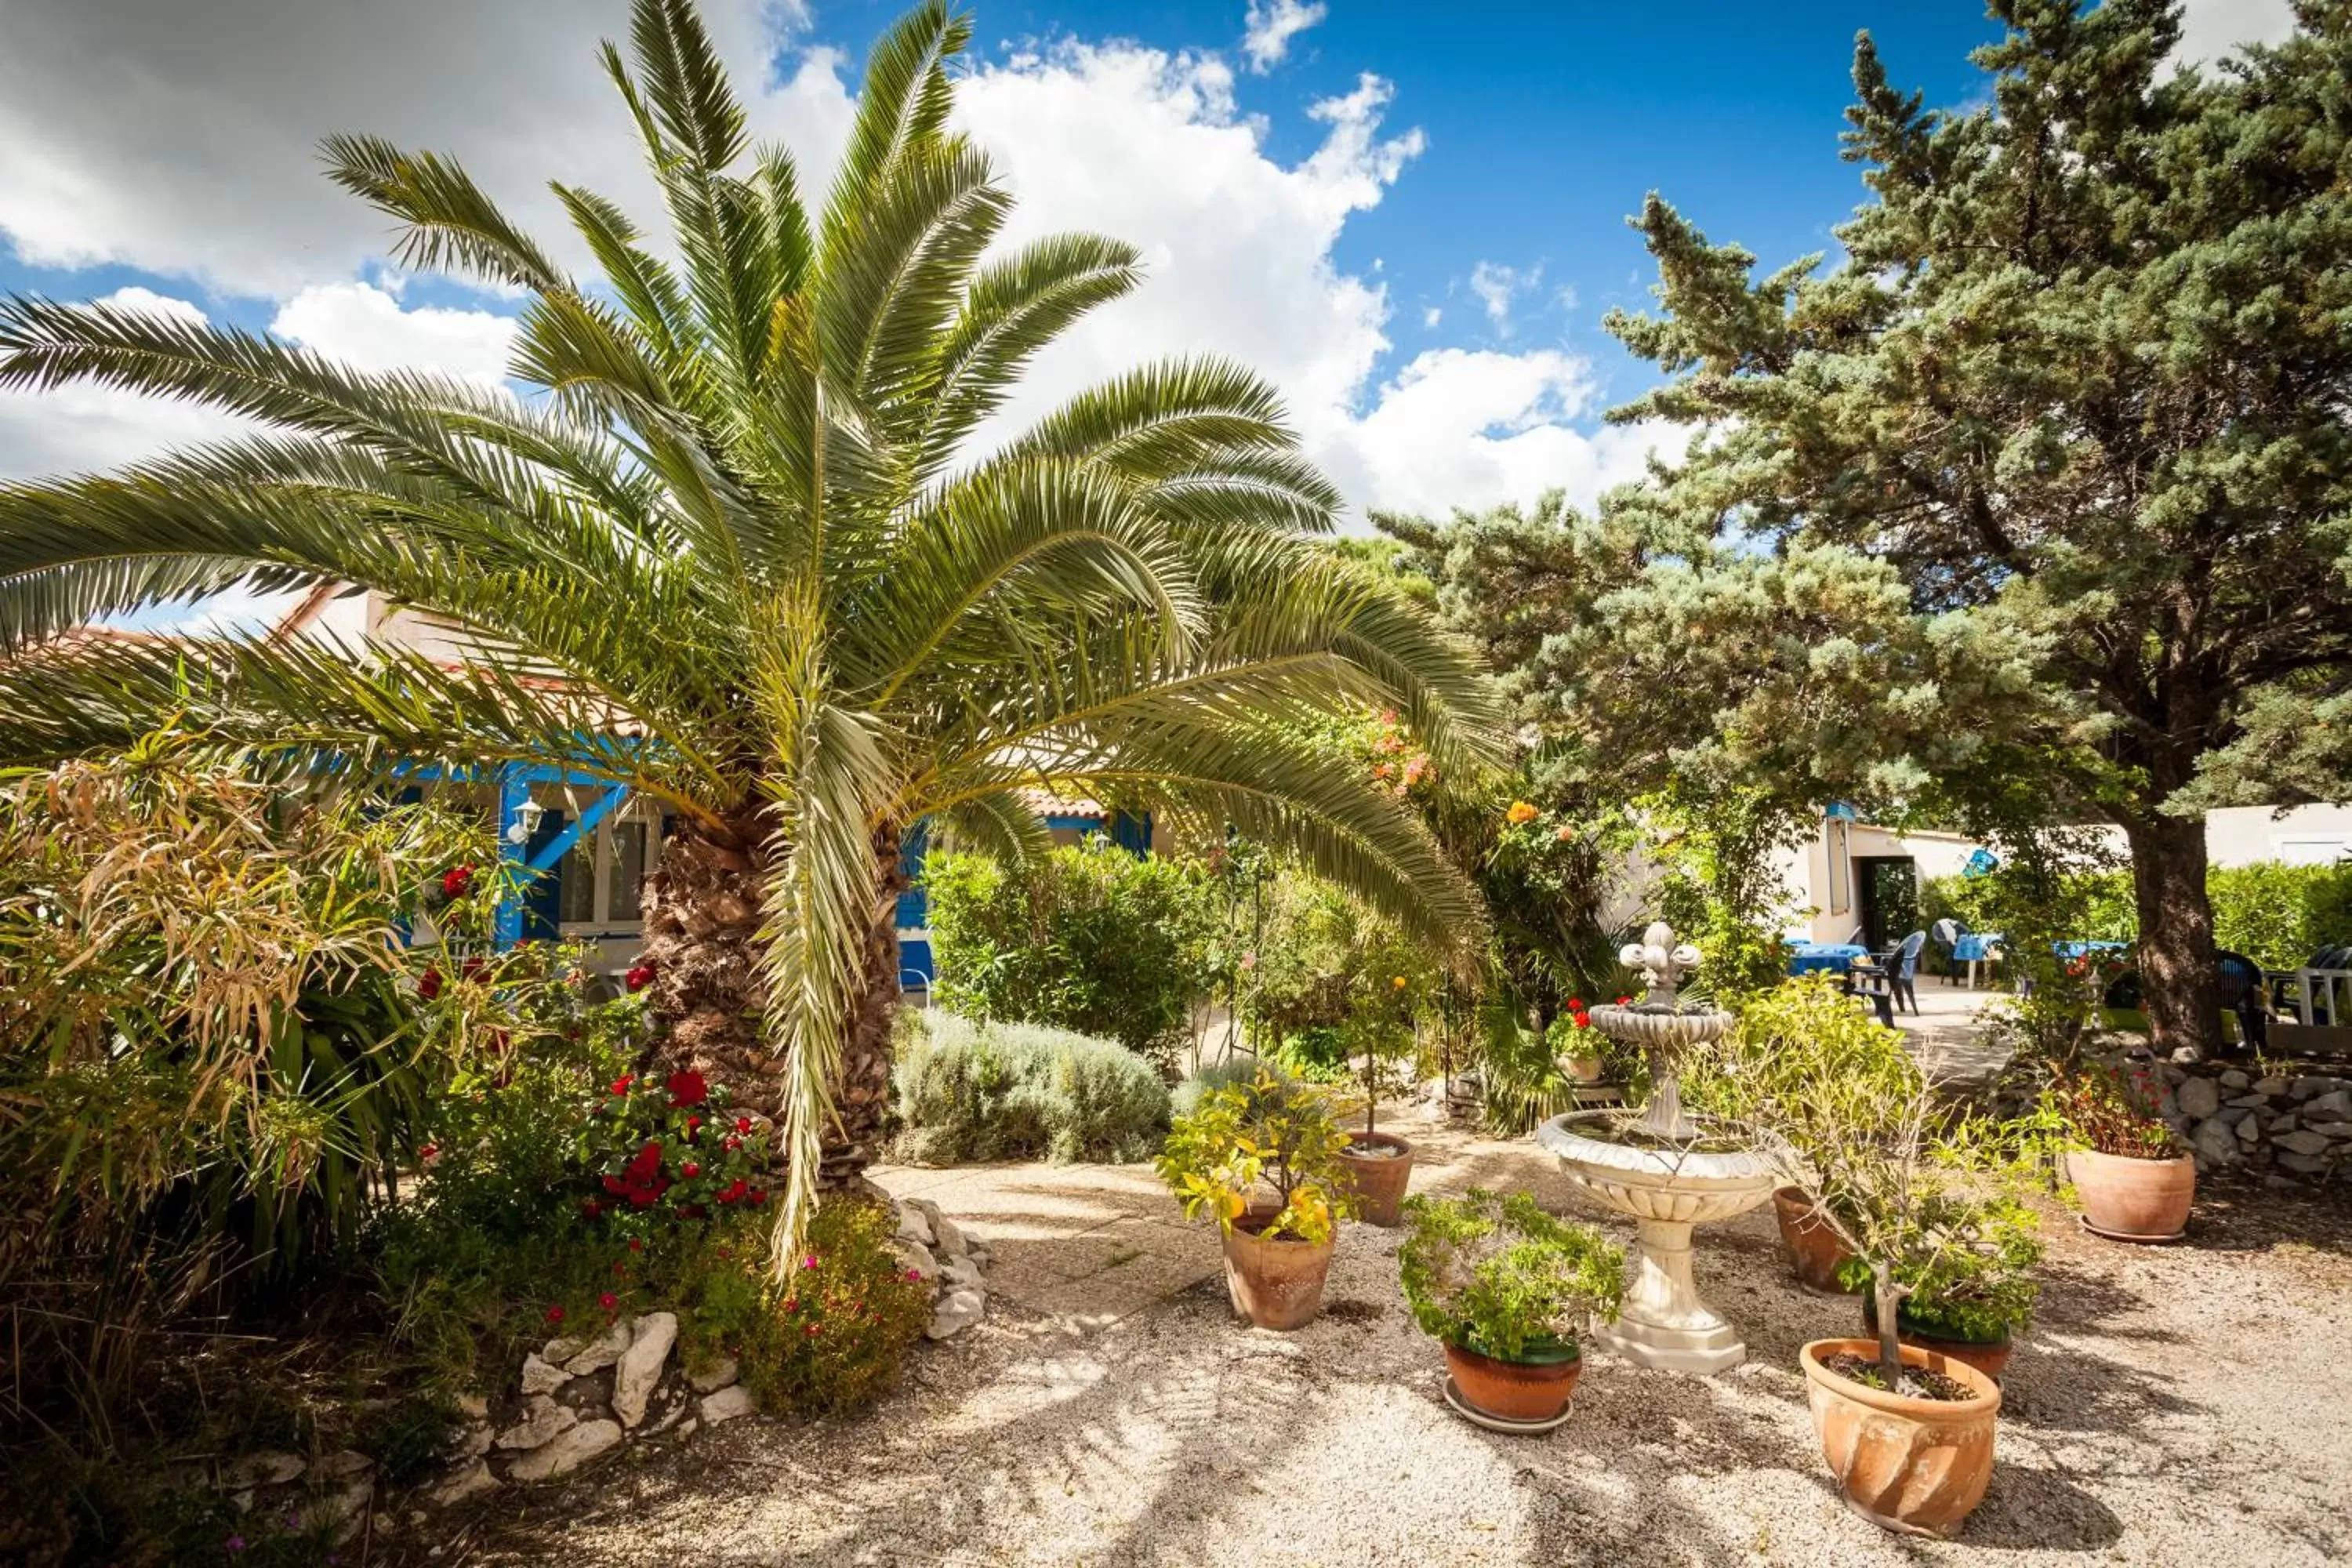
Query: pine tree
{"x": 2082, "y": 384}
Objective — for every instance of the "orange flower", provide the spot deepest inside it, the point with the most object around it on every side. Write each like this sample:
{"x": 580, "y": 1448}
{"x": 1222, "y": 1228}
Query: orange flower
{"x": 1398, "y": 982}
{"x": 1565, "y": 833}
{"x": 1521, "y": 812}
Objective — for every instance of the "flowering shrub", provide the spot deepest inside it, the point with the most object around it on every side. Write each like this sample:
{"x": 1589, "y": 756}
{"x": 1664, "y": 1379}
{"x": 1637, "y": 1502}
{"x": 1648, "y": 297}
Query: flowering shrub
{"x": 667, "y": 1149}
{"x": 1276, "y": 1134}
{"x": 834, "y": 1336}
{"x": 2107, "y": 1110}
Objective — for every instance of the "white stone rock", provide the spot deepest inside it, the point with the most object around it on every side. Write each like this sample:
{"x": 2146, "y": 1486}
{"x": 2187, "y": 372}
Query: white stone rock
{"x": 2188, "y": 1055}
{"x": 603, "y": 1351}
{"x": 2304, "y": 1140}
{"x": 2215, "y": 1143}
{"x": 476, "y": 1440}
{"x": 269, "y": 1469}
{"x": 563, "y": 1349}
{"x": 720, "y": 1373}
{"x": 726, "y": 1405}
{"x": 688, "y": 1428}
{"x": 474, "y": 1406}
{"x": 342, "y": 1463}
{"x": 345, "y": 1510}
{"x": 2199, "y": 1097}
{"x": 543, "y": 1421}
{"x": 951, "y": 1243}
{"x": 961, "y": 1274}
{"x": 957, "y": 1312}
{"x": 914, "y": 1225}
{"x": 469, "y": 1482}
{"x": 541, "y": 1376}
{"x": 567, "y": 1453}
{"x": 2267, "y": 1086}
{"x": 2249, "y": 1131}
{"x": 640, "y": 1367}
{"x": 2234, "y": 1079}
{"x": 917, "y": 1257}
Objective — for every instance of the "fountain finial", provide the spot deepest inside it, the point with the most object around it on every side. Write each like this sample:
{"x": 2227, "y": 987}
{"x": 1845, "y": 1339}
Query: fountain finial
{"x": 1662, "y": 961}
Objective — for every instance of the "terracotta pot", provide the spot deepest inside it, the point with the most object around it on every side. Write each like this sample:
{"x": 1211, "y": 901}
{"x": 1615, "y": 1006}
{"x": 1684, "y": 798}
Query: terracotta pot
{"x": 1513, "y": 1390}
{"x": 2133, "y": 1200}
{"x": 1988, "y": 1359}
{"x": 1379, "y": 1181}
{"x": 1815, "y": 1248}
{"x": 1916, "y": 1467}
{"x": 1274, "y": 1284}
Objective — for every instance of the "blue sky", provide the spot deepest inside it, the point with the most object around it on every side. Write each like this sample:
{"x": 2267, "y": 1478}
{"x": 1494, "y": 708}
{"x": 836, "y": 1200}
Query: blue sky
{"x": 1410, "y": 217}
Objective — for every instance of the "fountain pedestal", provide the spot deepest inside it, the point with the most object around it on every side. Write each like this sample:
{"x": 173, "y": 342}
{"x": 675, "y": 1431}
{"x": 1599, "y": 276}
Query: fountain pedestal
{"x": 1663, "y": 1322}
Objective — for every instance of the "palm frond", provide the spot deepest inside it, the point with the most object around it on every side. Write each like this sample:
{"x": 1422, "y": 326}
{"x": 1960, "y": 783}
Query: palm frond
{"x": 452, "y": 225}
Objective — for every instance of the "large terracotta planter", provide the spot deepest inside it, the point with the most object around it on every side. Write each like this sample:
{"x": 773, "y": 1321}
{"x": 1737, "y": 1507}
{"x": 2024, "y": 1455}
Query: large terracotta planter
{"x": 1513, "y": 1390}
{"x": 1916, "y": 1467}
{"x": 1988, "y": 1359}
{"x": 1380, "y": 1180}
{"x": 1274, "y": 1284}
{"x": 1815, "y": 1248}
{"x": 2133, "y": 1200}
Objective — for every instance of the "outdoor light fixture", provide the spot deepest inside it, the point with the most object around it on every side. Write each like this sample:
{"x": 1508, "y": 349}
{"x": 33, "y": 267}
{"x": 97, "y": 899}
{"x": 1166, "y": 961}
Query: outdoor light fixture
{"x": 526, "y": 822}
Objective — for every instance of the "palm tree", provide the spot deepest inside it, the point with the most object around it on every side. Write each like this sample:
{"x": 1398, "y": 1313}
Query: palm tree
{"x": 732, "y": 551}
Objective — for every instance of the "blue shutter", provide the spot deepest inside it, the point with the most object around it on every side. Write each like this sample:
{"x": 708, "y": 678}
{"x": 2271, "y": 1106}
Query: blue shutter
{"x": 543, "y": 912}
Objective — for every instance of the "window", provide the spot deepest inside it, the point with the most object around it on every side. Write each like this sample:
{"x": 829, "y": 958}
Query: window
{"x": 600, "y": 878}
{"x": 2312, "y": 851}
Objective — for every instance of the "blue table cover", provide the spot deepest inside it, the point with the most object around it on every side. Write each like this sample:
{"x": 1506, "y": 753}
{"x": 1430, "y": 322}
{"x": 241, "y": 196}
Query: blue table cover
{"x": 1975, "y": 946}
{"x": 1816, "y": 957}
{"x": 2077, "y": 949}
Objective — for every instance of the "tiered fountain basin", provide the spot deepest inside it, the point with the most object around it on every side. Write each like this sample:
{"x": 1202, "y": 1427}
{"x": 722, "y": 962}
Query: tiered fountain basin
{"x": 1661, "y": 1170}
{"x": 1666, "y": 1189}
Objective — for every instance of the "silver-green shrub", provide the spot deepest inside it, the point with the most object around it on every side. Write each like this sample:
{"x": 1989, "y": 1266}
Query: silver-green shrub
{"x": 966, "y": 1091}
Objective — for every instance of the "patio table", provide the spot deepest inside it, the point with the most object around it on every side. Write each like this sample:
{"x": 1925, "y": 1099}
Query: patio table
{"x": 1976, "y": 947}
{"x": 1824, "y": 957}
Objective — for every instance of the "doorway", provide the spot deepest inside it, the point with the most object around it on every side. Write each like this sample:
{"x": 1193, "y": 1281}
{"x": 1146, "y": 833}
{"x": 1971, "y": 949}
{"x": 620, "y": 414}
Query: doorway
{"x": 1889, "y": 886}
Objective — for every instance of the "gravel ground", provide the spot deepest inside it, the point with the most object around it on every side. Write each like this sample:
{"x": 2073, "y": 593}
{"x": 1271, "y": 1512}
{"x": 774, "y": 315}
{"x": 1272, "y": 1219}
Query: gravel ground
{"x": 2173, "y": 1405}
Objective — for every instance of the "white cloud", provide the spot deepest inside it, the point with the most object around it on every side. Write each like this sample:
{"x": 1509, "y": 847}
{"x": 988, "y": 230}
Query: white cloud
{"x": 363, "y": 325}
{"x": 2211, "y": 28}
{"x": 1271, "y": 25}
{"x": 1238, "y": 249}
{"x": 1430, "y": 317}
{"x": 182, "y": 139}
{"x": 1497, "y": 285}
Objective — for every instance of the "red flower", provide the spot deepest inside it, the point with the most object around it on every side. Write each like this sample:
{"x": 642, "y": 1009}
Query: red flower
{"x": 742, "y": 1124}
{"x": 638, "y": 977}
{"x": 620, "y": 1084}
{"x": 608, "y": 1300}
{"x": 615, "y": 1185}
{"x": 636, "y": 1245}
{"x": 755, "y": 1197}
{"x": 690, "y": 1170}
{"x": 914, "y": 1274}
{"x": 733, "y": 1144}
{"x": 1624, "y": 1001}
{"x": 555, "y": 1314}
{"x": 688, "y": 1089}
{"x": 455, "y": 880}
{"x": 592, "y": 1208}
{"x": 620, "y": 1266}
{"x": 470, "y": 968}
{"x": 428, "y": 984}
{"x": 646, "y": 1163}
{"x": 810, "y": 1331}
{"x": 735, "y": 1190}
{"x": 430, "y": 1153}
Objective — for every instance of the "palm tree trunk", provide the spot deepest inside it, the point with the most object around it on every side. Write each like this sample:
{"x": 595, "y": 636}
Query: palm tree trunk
{"x": 701, "y": 911}
{"x": 702, "y": 934}
{"x": 861, "y": 1096}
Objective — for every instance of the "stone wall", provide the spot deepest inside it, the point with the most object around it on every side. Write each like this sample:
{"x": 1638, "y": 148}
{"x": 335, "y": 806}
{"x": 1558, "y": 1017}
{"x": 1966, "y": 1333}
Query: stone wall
{"x": 2292, "y": 1122}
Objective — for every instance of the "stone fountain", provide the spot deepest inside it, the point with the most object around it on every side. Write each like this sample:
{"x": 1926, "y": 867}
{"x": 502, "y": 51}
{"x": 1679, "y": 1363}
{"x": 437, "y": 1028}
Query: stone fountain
{"x": 1652, "y": 1168}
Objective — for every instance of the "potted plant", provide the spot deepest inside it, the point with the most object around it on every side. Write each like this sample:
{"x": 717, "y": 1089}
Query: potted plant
{"x": 1508, "y": 1288}
{"x": 1834, "y": 1099}
{"x": 1817, "y": 1254}
{"x": 1378, "y": 1035}
{"x": 1262, "y": 1160}
{"x": 1970, "y": 1297}
{"x": 2129, "y": 1169}
{"x": 1573, "y": 1044}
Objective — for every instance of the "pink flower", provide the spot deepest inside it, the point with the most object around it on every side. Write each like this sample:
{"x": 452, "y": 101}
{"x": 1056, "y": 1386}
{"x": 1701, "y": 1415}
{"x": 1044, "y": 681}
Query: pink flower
{"x": 608, "y": 1300}
{"x": 555, "y": 1314}
{"x": 914, "y": 1274}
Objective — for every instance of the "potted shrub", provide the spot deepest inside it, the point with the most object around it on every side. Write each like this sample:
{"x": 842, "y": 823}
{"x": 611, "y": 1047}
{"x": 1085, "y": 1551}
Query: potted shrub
{"x": 1508, "y": 1288}
{"x": 2134, "y": 1179}
{"x": 1969, "y": 1299}
{"x": 1378, "y": 1035}
{"x": 1832, "y": 1097}
{"x": 1262, "y": 1160}
{"x": 1817, "y": 1253}
{"x": 1573, "y": 1044}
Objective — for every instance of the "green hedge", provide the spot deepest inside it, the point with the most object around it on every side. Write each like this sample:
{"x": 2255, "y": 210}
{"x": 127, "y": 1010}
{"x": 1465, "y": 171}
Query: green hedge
{"x": 968, "y": 1090}
{"x": 2274, "y": 913}
{"x": 1088, "y": 938}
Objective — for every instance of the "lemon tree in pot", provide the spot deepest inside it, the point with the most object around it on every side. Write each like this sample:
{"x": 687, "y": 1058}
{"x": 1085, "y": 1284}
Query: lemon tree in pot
{"x": 1262, "y": 1159}
{"x": 1971, "y": 1293}
{"x": 1378, "y": 1040}
{"x": 1508, "y": 1289}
